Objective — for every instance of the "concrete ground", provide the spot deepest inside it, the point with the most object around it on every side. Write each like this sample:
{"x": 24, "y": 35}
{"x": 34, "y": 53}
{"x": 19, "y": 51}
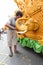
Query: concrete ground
{"x": 25, "y": 56}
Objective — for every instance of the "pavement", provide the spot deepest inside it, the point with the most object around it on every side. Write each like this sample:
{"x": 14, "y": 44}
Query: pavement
{"x": 25, "y": 56}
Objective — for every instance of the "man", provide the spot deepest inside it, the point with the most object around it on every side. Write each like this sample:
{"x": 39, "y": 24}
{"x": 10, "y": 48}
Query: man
{"x": 11, "y": 33}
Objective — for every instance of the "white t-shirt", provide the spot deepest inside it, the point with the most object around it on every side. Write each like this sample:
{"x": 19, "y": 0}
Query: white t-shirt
{"x": 12, "y": 21}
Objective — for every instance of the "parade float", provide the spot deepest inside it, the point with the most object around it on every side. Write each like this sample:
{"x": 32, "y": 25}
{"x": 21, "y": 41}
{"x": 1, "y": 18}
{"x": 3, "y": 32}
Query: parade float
{"x": 30, "y": 26}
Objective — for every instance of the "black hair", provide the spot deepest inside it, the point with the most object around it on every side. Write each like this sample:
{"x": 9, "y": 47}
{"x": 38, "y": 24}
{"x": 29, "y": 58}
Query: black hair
{"x": 19, "y": 13}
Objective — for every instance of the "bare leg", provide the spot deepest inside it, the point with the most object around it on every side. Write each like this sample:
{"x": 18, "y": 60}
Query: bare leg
{"x": 10, "y": 49}
{"x": 11, "y": 53}
{"x": 15, "y": 49}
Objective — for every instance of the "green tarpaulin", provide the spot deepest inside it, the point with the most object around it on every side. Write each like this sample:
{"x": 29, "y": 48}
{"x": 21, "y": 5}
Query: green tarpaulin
{"x": 37, "y": 47}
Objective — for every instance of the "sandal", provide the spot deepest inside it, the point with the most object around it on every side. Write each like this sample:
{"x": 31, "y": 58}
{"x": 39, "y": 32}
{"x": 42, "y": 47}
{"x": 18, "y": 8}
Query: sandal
{"x": 11, "y": 54}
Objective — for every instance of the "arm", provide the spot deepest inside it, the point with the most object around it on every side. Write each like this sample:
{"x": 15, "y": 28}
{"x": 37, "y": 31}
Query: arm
{"x": 8, "y": 25}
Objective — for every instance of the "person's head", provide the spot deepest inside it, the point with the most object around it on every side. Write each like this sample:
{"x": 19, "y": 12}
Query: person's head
{"x": 18, "y": 14}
